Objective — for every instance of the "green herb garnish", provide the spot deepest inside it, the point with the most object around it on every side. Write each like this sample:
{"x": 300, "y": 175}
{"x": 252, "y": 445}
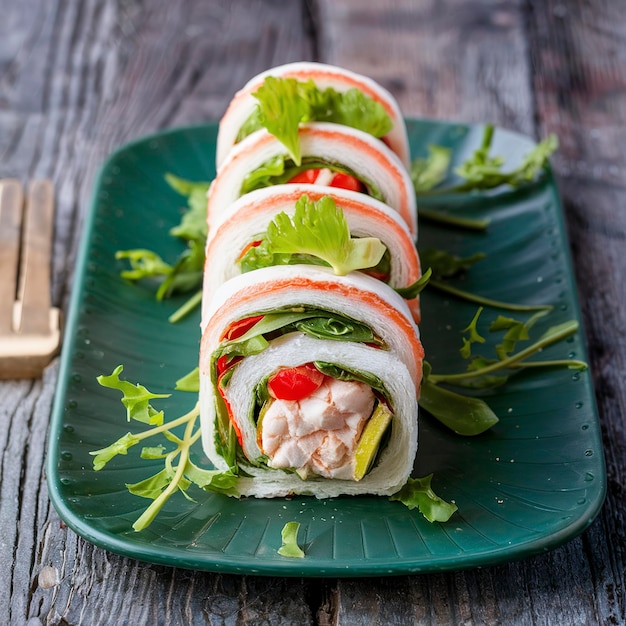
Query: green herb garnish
{"x": 185, "y": 274}
{"x": 418, "y": 494}
{"x": 179, "y": 472}
{"x": 283, "y": 103}
{"x": 289, "y": 536}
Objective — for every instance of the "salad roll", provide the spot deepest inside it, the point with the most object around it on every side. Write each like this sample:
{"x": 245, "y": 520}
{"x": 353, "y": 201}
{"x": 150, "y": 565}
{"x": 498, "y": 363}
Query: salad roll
{"x": 332, "y": 155}
{"x": 307, "y": 91}
{"x": 324, "y": 226}
{"x": 309, "y": 383}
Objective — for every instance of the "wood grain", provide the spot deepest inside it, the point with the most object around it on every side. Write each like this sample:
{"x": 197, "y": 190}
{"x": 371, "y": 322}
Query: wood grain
{"x": 78, "y": 79}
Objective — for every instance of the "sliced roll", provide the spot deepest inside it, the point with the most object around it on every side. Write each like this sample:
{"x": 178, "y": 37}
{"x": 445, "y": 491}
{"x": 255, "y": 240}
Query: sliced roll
{"x": 261, "y": 160}
{"x": 309, "y": 383}
{"x": 243, "y": 105}
{"x": 245, "y": 223}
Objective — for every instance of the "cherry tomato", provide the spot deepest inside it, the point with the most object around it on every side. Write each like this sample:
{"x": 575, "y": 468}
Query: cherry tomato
{"x": 345, "y": 181}
{"x": 295, "y": 383}
{"x": 241, "y": 327}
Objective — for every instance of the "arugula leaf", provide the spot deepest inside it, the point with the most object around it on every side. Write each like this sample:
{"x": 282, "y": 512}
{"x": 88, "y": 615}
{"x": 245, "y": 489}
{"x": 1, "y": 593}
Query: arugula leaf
{"x": 417, "y": 493}
{"x": 481, "y": 171}
{"x": 186, "y": 273}
{"x": 474, "y": 336}
{"x": 517, "y": 360}
{"x": 121, "y": 446}
{"x": 320, "y": 229}
{"x": 290, "y": 547}
{"x": 136, "y": 398}
{"x": 446, "y": 265}
{"x": 179, "y": 472}
{"x": 189, "y": 382}
{"x": 283, "y": 103}
{"x": 431, "y": 171}
{"x": 412, "y": 291}
{"x": 193, "y": 225}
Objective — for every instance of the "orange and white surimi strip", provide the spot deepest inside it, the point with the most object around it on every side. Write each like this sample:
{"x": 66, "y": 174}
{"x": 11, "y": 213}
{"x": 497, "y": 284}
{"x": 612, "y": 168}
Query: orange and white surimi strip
{"x": 356, "y": 295}
{"x": 249, "y": 216}
{"x": 367, "y": 157}
{"x": 324, "y": 76}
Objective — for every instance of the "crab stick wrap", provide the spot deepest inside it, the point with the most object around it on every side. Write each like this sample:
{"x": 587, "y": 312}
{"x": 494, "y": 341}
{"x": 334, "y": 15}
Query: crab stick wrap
{"x": 240, "y": 242}
{"x": 244, "y": 104}
{"x": 261, "y": 160}
{"x": 309, "y": 383}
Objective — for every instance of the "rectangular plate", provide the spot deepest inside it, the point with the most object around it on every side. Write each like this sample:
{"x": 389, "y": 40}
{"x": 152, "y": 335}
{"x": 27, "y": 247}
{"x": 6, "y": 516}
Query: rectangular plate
{"x": 534, "y": 481}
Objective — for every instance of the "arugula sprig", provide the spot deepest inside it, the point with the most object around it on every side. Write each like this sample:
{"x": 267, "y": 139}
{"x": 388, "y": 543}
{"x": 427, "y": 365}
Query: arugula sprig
{"x": 185, "y": 274}
{"x": 444, "y": 265}
{"x": 479, "y": 172}
{"x": 470, "y": 415}
{"x": 179, "y": 471}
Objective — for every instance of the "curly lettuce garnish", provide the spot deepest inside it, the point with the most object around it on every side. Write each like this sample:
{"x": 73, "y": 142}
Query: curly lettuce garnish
{"x": 283, "y": 103}
{"x": 317, "y": 229}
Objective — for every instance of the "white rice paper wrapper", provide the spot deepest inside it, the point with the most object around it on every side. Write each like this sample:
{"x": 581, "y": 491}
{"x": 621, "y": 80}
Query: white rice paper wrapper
{"x": 324, "y": 76}
{"x": 361, "y": 153}
{"x": 249, "y": 216}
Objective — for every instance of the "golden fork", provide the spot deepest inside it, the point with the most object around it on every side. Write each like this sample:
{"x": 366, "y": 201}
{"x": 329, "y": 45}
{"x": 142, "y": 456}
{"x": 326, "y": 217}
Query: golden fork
{"x": 30, "y": 330}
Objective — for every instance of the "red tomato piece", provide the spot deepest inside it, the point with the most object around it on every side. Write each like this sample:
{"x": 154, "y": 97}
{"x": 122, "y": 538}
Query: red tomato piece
{"x": 241, "y": 327}
{"x": 345, "y": 181}
{"x": 308, "y": 176}
{"x": 226, "y": 362}
{"x": 295, "y": 383}
{"x": 252, "y": 244}
{"x": 230, "y": 411}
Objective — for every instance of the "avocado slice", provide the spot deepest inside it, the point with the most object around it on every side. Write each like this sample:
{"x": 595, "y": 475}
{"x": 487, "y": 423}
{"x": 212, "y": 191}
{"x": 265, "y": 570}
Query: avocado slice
{"x": 371, "y": 436}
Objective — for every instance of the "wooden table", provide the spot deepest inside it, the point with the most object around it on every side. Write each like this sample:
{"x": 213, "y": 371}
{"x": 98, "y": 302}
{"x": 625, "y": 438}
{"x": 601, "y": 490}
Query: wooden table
{"x": 80, "y": 77}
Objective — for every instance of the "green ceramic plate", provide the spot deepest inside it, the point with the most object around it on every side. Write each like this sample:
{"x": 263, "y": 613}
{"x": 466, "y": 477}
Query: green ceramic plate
{"x": 534, "y": 481}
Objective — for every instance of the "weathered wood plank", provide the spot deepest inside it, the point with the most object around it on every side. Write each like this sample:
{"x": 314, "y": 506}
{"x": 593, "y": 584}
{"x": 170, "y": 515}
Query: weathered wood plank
{"x": 577, "y": 52}
{"x": 452, "y": 60}
{"x": 76, "y": 80}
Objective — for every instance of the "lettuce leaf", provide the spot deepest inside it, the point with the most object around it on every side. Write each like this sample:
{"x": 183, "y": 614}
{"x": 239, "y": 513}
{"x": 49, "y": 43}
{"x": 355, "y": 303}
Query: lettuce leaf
{"x": 283, "y": 103}
{"x": 289, "y": 535}
{"x": 320, "y": 229}
{"x": 417, "y": 493}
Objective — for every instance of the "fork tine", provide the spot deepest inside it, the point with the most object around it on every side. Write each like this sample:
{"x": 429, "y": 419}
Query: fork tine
{"x": 36, "y": 253}
{"x": 11, "y": 202}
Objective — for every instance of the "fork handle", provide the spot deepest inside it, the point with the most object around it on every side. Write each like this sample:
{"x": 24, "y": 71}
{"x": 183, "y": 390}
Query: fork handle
{"x": 11, "y": 201}
{"x": 34, "y": 292}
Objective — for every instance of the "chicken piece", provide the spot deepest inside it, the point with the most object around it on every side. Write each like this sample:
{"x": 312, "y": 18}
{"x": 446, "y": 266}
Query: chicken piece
{"x": 318, "y": 433}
